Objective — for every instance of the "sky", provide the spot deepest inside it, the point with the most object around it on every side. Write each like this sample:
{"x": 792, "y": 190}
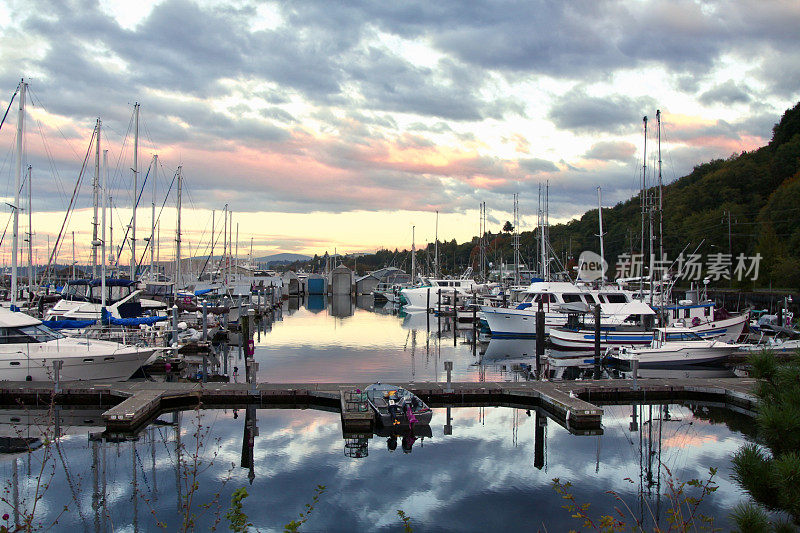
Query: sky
{"x": 340, "y": 125}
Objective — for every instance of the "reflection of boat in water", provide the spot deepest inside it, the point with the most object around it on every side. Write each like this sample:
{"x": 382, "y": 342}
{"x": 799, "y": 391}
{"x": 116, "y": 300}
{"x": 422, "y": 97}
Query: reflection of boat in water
{"x": 416, "y": 320}
{"x": 380, "y": 396}
{"x": 357, "y": 446}
{"x": 510, "y": 348}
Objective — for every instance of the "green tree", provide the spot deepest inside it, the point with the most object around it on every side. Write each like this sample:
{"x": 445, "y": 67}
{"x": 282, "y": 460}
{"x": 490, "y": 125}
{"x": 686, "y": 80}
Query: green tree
{"x": 769, "y": 470}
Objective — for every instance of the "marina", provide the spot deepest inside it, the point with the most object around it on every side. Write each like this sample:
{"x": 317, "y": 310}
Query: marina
{"x": 371, "y": 267}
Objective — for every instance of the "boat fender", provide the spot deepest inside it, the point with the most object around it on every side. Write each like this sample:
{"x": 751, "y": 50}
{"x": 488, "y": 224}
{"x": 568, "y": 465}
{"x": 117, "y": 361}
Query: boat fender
{"x": 569, "y": 411}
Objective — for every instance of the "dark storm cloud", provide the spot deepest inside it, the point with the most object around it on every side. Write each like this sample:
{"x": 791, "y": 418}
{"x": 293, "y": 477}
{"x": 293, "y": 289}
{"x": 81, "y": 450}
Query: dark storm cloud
{"x": 581, "y": 113}
{"x": 536, "y": 165}
{"x": 726, "y": 93}
{"x": 448, "y": 91}
{"x": 611, "y": 151}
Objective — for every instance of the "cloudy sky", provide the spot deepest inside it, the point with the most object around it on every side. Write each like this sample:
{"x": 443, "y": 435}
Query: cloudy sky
{"x": 341, "y": 124}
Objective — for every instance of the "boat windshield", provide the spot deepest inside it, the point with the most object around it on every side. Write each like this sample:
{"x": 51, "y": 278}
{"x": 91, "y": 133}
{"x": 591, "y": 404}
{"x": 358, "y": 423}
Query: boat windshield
{"x": 28, "y": 334}
{"x": 684, "y": 336}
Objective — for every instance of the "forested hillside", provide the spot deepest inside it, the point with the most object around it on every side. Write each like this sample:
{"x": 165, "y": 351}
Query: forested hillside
{"x": 746, "y": 204}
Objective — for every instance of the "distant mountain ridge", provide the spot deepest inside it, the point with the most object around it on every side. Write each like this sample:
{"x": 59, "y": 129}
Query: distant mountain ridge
{"x": 282, "y": 258}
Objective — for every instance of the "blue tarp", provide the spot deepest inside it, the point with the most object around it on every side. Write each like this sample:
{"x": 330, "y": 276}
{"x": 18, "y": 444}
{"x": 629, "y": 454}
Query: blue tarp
{"x": 69, "y": 324}
{"x": 203, "y": 291}
{"x": 524, "y": 306}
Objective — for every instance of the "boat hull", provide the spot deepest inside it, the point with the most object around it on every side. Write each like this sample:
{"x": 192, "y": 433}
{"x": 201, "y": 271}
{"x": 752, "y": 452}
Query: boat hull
{"x": 726, "y": 330}
{"x": 82, "y": 361}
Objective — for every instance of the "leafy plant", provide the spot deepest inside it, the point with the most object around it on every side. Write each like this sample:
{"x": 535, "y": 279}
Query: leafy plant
{"x": 682, "y": 514}
{"x": 235, "y": 515}
{"x": 294, "y": 525}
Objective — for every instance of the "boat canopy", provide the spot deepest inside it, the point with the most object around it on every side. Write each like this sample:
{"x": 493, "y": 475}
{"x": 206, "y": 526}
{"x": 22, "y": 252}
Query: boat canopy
{"x": 113, "y": 282}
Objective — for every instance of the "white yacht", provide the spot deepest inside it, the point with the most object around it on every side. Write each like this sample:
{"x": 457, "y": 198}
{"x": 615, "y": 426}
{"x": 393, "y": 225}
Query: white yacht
{"x": 558, "y": 298}
{"x": 678, "y": 346}
{"x": 417, "y": 297}
{"x": 28, "y": 350}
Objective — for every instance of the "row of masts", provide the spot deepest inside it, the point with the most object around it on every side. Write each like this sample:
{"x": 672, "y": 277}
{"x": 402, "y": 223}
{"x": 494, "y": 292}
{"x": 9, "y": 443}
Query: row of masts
{"x": 100, "y": 205}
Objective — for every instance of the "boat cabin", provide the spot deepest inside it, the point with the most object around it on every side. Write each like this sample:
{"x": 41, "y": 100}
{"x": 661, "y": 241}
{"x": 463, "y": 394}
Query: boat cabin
{"x": 664, "y": 335}
{"x": 19, "y": 328}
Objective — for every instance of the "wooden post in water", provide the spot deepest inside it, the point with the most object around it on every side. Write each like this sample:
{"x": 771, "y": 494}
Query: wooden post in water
{"x": 244, "y": 335}
{"x": 205, "y": 321}
{"x": 539, "y": 339}
{"x": 538, "y": 440}
{"x": 597, "y": 340}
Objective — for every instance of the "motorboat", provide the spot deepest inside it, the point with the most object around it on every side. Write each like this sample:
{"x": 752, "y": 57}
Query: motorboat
{"x": 784, "y": 341}
{"x": 432, "y": 292}
{"x": 678, "y": 346}
{"x": 557, "y": 299}
{"x": 29, "y": 351}
{"x": 379, "y": 395}
{"x": 635, "y": 329}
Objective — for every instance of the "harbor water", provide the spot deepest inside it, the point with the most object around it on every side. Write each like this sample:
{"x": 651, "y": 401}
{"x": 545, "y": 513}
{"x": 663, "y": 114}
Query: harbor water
{"x": 479, "y": 468}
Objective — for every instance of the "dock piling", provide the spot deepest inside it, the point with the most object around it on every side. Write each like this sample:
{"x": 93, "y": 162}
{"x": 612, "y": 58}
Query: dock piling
{"x": 448, "y": 366}
{"x": 539, "y": 339}
{"x": 205, "y": 321}
{"x": 597, "y": 341}
{"x": 57, "y": 364}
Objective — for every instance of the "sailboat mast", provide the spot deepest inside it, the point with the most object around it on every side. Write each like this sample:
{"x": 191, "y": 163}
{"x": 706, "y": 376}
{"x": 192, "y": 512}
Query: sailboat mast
{"x": 413, "y": 256}
{"x": 17, "y": 184}
{"x": 135, "y": 189}
{"x": 660, "y": 193}
{"x": 103, "y": 231}
{"x": 600, "y": 220}
{"x": 95, "y": 199}
{"x": 178, "y": 235}
{"x": 222, "y": 270}
{"x": 436, "y": 249}
{"x": 644, "y": 191}
{"x": 31, "y": 277}
{"x": 153, "y": 218}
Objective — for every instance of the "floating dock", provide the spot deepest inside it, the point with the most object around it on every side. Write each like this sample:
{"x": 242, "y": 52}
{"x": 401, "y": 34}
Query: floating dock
{"x": 575, "y": 405}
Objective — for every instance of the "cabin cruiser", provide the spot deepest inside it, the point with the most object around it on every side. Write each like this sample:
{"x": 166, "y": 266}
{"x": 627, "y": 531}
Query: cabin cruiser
{"x": 636, "y": 330}
{"x": 418, "y": 297}
{"x": 28, "y": 350}
{"x": 673, "y": 346}
{"x": 557, "y": 299}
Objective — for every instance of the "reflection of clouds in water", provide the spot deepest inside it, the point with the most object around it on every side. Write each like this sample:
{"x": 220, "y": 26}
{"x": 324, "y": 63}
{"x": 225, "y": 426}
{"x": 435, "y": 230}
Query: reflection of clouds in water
{"x": 474, "y": 480}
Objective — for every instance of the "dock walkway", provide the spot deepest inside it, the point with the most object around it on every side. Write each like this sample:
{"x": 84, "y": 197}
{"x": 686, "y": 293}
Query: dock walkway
{"x": 574, "y": 404}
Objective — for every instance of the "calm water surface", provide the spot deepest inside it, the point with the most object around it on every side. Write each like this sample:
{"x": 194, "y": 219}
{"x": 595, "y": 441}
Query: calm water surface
{"x": 493, "y": 472}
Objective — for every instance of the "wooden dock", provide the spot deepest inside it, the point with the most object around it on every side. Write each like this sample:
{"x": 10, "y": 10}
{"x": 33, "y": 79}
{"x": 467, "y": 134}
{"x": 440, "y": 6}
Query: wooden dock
{"x": 577, "y": 405}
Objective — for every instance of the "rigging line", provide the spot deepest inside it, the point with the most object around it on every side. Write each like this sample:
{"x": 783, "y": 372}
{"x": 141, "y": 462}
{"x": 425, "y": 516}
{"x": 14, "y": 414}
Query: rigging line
{"x": 35, "y": 98}
{"x": 158, "y": 219}
{"x": 53, "y": 253}
{"x": 10, "y": 217}
{"x": 128, "y": 228}
{"x": 16, "y": 91}
{"x": 51, "y": 161}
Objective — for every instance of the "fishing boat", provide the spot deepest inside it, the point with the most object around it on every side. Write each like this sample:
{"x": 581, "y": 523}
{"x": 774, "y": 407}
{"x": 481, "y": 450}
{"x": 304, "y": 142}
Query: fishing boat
{"x": 678, "y": 346}
{"x": 29, "y": 349}
{"x": 380, "y": 394}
